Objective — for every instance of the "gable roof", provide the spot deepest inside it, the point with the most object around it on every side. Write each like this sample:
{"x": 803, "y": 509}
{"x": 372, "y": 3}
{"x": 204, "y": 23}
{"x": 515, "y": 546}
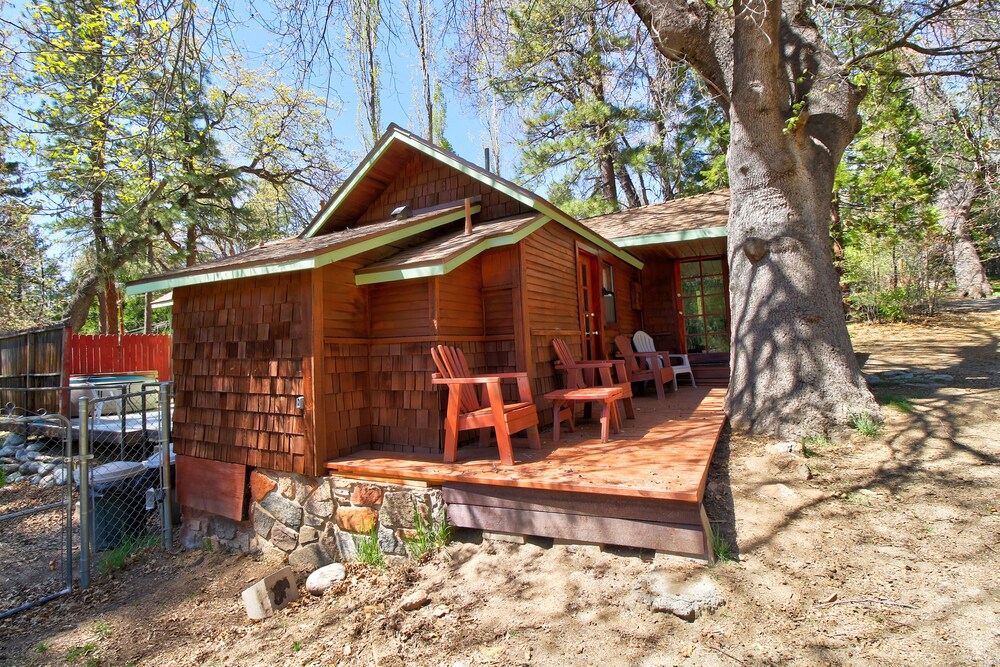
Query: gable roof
{"x": 685, "y": 219}
{"x": 356, "y": 194}
{"x": 444, "y": 253}
{"x": 296, "y": 254}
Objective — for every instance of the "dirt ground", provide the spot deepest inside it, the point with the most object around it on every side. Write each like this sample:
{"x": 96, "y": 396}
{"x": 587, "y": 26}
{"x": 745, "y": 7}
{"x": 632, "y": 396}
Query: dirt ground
{"x": 887, "y": 554}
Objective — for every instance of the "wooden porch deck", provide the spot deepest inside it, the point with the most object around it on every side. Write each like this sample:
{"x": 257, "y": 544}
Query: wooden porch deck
{"x": 643, "y": 488}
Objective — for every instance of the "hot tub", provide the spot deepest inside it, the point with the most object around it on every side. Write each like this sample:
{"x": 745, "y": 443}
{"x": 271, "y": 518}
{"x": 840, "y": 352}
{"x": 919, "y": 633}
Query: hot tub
{"x": 109, "y": 385}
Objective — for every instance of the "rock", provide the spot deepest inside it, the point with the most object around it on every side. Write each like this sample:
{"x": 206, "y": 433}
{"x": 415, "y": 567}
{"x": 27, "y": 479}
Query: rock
{"x": 356, "y": 519}
{"x": 283, "y": 537}
{"x": 7, "y": 452}
{"x": 27, "y": 468}
{"x": 271, "y": 594}
{"x": 415, "y": 600}
{"x": 398, "y": 510}
{"x": 308, "y": 535}
{"x": 46, "y": 468}
{"x": 941, "y": 377}
{"x": 389, "y": 542}
{"x": 10, "y": 467}
{"x": 342, "y": 543}
{"x": 225, "y": 529}
{"x": 320, "y": 502}
{"x": 777, "y": 492}
{"x": 21, "y": 456}
{"x": 47, "y": 482}
{"x": 262, "y": 521}
{"x": 283, "y": 509}
{"x": 15, "y": 440}
{"x": 60, "y": 475}
{"x": 13, "y": 477}
{"x": 688, "y": 600}
{"x": 35, "y": 446}
{"x": 786, "y": 447}
{"x": 871, "y": 378}
{"x": 261, "y": 485}
{"x": 803, "y": 472}
{"x": 325, "y": 577}
{"x": 309, "y": 557}
{"x": 366, "y": 495}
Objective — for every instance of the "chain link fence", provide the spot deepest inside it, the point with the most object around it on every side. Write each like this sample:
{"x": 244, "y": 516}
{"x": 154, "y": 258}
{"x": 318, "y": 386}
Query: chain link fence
{"x": 80, "y": 495}
{"x": 128, "y": 505}
{"x": 39, "y": 538}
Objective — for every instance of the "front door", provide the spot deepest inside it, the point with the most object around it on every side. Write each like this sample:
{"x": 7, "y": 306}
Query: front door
{"x": 590, "y": 303}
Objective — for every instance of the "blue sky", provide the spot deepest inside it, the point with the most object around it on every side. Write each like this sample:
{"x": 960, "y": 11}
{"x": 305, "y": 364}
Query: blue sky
{"x": 400, "y": 79}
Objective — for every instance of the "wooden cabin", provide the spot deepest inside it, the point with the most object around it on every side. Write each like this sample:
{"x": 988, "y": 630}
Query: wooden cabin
{"x": 309, "y": 348}
{"x": 315, "y": 348}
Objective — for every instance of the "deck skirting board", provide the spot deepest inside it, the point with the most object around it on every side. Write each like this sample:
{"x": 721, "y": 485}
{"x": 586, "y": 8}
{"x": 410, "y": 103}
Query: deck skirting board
{"x": 673, "y": 528}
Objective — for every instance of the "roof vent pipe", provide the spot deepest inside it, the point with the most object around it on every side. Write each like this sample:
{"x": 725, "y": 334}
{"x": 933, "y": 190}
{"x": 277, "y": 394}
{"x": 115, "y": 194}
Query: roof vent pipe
{"x": 402, "y": 212}
{"x": 468, "y": 216}
{"x": 486, "y": 158}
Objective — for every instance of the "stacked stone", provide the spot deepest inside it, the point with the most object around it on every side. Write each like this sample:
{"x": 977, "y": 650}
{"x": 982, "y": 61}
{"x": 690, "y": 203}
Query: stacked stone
{"x": 310, "y": 522}
{"x": 29, "y": 462}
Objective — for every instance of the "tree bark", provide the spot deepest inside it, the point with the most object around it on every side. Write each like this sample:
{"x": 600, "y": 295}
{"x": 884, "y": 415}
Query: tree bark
{"x": 793, "y": 369}
{"x": 955, "y": 203}
{"x": 78, "y": 308}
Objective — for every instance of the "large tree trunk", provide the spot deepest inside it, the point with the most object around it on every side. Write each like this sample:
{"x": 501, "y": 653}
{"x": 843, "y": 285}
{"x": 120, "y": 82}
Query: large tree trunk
{"x": 955, "y": 203}
{"x": 793, "y": 367}
{"x": 78, "y": 308}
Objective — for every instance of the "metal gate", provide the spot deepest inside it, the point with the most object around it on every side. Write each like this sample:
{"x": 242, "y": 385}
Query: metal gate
{"x": 79, "y": 511}
{"x": 38, "y": 536}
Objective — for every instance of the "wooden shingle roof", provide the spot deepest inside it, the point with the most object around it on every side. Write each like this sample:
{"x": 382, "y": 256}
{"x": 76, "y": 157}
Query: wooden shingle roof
{"x": 440, "y": 255}
{"x": 661, "y": 223}
{"x": 297, "y": 253}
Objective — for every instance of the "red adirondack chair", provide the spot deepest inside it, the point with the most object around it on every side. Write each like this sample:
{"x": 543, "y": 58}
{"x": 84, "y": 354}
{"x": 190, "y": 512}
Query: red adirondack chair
{"x": 484, "y": 409}
{"x": 645, "y": 366}
{"x": 583, "y": 374}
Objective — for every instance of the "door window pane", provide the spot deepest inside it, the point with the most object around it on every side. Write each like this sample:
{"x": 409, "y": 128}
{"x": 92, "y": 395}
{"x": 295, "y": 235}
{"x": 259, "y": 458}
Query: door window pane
{"x": 692, "y": 306}
{"x": 696, "y": 344}
{"x": 691, "y": 286}
{"x": 715, "y": 324}
{"x": 711, "y": 267}
{"x": 689, "y": 269}
{"x": 715, "y": 305}
{"x": 718, "y": 343}
{"x": 694, "y": 325}
{"x": 713, "y": 285}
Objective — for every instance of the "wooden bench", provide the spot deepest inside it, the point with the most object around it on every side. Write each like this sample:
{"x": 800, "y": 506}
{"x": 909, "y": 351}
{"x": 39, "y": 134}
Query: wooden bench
{"x": 606, "y": 396}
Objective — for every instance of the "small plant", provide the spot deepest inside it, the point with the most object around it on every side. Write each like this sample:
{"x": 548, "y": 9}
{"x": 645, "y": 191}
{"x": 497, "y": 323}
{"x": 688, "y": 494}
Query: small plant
{"x": 296, "y": 646}
{"x": 721, "y": 549}
{"x": 3, "y": 477}
{"x": 369, "y": 550}
{"x": 866, "y": 424}
{"x": 897, "y": 403}
{"x": 102, "y": 629}
{"x": 77, "y": 652}
{"x": 430, "y": 536}
{"x": 118, "y": 558}
{"x": 41, "y": 647}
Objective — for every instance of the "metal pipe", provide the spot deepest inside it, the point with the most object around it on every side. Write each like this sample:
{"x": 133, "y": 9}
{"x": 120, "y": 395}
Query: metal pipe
{"x": 68, "y": 468}
{"x": 85, "y": 509}
{"x": 165, "y": 481}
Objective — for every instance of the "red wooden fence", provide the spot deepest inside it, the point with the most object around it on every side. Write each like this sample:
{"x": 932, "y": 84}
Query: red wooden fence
{"x": 90, "y": 355}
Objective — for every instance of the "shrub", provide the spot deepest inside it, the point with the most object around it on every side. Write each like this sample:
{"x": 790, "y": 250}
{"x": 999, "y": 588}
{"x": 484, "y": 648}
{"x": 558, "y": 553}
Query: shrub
{"x": 430, "y": 536}
{"x": 369, "y": 550}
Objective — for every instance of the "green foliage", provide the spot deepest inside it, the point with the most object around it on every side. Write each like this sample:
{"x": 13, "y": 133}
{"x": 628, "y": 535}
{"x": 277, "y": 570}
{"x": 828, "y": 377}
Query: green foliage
{"x": 900, "y": 403}
{"x": 600, "y": 110}
{"x": 866, "y": 424}
{"x": 368, "y": 549}
{"x": 813, "y": 443}
{"x": 721, "y": 549}
{"x": 119, "y": 557}
{"x": 74, "y": 654}
{"x": 890, "y": 279}
{"x": 430, "y": 535}
{"x": 102, "y": 629}
{"x": 41, "y": 647}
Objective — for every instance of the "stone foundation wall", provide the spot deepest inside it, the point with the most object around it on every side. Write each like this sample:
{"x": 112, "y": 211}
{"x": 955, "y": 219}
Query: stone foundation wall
{"x": 311, "y": 522}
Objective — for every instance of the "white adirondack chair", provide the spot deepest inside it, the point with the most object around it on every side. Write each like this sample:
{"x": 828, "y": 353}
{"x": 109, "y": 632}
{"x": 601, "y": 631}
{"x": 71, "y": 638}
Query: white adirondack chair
{"x": 644, "y": 343}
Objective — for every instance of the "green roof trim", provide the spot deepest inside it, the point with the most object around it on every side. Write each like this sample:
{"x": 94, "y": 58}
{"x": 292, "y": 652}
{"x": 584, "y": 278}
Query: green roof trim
{"x": 499, "y": 184}
{"x": 333, "y": 255}
{"x": 449, "y": 265}
{"x": 672, "y": 237}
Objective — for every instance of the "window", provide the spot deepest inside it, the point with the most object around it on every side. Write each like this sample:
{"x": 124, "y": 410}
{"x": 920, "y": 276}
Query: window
{"x": 703, "y": 299}
{"x": 608, "y": 293}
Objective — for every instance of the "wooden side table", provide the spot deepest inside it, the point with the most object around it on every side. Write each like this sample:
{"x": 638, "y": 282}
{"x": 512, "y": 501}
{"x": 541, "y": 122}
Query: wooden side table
{"x": 608, "y": 397}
